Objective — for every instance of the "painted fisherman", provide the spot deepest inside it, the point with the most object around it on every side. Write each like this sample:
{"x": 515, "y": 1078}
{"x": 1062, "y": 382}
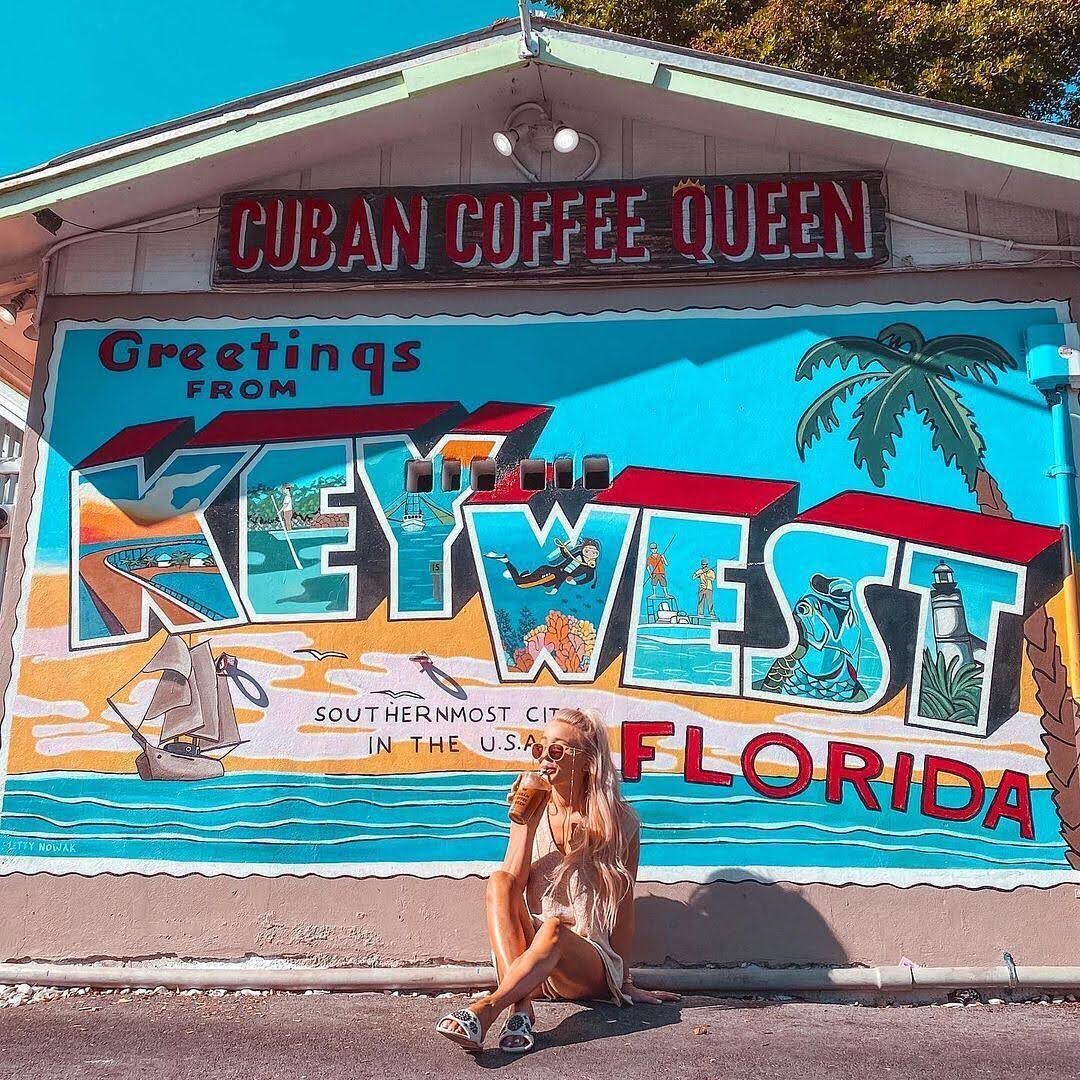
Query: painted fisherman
{"x": 286, "y": 506}
{"x": 705, "y": 576}
{"x": 656, "y": 564}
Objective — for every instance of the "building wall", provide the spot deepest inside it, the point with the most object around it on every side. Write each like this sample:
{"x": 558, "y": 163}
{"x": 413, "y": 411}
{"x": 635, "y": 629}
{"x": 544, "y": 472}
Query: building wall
{"x": 135, "y": 897}
{"x": 179, "y": 260}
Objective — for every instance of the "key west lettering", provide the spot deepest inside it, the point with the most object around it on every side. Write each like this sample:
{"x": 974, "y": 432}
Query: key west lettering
{"x": 301, "y": 593}
{"x": 660, "y": 226}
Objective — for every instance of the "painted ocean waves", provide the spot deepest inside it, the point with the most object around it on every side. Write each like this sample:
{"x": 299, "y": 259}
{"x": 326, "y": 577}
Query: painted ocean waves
{"x": 460, "y": 818}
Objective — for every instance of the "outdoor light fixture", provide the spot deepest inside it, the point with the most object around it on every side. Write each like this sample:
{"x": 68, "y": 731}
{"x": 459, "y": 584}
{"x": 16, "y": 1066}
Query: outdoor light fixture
{"x": 30, "y": 331}
{"x": 543, "y": 135}
{"x": 9, "y": 310}
{"x": 566, "y": 140}
{"x": 505, "y": 141}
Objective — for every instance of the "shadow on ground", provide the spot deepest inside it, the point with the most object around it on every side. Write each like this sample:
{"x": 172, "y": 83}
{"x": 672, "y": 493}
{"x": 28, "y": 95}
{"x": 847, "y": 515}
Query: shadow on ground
{"x": 591, "y": 1023}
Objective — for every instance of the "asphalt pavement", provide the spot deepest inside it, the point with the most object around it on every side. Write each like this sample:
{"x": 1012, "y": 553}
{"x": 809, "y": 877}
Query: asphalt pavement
{"x": 165, "y": 1036}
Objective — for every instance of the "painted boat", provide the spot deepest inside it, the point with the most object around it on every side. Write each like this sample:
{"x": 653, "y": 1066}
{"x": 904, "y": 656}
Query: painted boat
{"x": 195, "y": 709}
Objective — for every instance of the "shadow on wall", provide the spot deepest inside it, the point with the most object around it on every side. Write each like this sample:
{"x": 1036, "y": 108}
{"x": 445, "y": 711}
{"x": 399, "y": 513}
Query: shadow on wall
{"x": 724, "y": 922}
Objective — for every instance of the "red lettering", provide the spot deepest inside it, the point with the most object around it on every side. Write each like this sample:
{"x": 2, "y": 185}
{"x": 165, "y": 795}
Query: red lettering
{"x": 228, "y": 356}
{"x": 458, "y": 207}
{"x": 845, "y": 219}
{"x": 629, "y": 224}
{"x": 563, "y": 226}
{"x": 734, "y": 221}
{"x": 370, "y": 356}
{"x": 1012, "y": 784}
{"x": 499, "y": 230}
{"x": 407, "y": 360}
{"x": 800, "y": 221}
{"x": 159, "y": 352}
{"x": 282, "y": 241}
{"x": 901, "y": 790}
{"x": 692, "y": 224}
{"x": 358, "y": 241}
{"x": 634, "y": 751}
{"x": 263, "y": 346}
{"x": 803, "y": 760}
{"x": 770, "y": 221}
{"x": 533, "y": 228}
{"x": 694, "y": 772}
{"x": 317, "y": 221}
{"x": 331, "y": 354}
{"x": 404, "y": 231}
{"x": 191, "y": 356}
{"x": 107, "y": 350}
{"x": 597, "y": 224}
{"x": 244, "y": 256}
{"x": 933, "y": 767}
{"x": 838, "y": 772}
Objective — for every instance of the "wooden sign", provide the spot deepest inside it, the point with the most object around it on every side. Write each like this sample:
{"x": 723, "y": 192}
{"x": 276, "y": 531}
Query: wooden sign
{"x": 564, "y": 230}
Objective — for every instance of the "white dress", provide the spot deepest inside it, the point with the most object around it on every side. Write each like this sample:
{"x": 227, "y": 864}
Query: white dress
{"x": 571, "y": 902}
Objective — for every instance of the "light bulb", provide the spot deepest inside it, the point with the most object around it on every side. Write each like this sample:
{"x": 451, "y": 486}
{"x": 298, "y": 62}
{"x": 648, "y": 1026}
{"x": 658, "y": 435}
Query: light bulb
{"x": 566, "y": 140}
{"x": 504, "y": 142}
{"x": 9, "y": 311}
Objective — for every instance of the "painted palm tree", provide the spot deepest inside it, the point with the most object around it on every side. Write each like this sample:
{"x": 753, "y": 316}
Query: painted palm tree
{"x": 895, "y": 373}
{"x": 898, "y": 372}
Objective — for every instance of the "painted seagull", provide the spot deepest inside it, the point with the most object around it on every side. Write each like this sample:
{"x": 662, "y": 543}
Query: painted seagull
{"x": 320, "y": 656}
{"x": 395, "y": 694}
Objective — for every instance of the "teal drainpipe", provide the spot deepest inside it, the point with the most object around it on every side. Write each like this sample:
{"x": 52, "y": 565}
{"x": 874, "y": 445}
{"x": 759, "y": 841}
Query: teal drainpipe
{"x": 1063, "y": 467}
{"x": 1053, "y": 365}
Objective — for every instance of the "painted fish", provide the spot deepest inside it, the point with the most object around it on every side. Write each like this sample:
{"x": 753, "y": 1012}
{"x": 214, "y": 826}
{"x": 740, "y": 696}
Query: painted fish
{"x": 825, "y": 661}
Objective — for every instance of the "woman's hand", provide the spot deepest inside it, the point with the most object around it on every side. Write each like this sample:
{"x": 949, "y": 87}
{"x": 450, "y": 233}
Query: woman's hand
{"x": 537, "y": 813}
{"x": 648, "y": 997}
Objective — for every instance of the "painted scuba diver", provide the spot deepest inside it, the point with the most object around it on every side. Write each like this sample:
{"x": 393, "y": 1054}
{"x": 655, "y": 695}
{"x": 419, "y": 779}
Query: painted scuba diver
{"x": 576, "y": 567}
{"x": 825, "y": 661}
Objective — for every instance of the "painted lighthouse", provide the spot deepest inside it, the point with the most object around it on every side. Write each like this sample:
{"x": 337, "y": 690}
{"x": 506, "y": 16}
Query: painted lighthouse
{"x": 951, "y": 634}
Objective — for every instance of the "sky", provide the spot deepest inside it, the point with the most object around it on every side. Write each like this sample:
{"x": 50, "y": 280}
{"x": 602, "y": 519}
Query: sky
{"x": 84, "y": 72}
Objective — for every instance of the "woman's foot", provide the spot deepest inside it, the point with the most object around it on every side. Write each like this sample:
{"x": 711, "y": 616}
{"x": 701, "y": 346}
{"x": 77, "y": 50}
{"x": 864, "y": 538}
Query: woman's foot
{"x": 458, "y": 1028}
{"x": 517, "y": 1034}
{"x": 497, "y": 556}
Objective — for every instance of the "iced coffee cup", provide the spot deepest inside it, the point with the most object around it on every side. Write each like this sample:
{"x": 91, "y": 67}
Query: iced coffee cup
{"x": 533, "y": 791}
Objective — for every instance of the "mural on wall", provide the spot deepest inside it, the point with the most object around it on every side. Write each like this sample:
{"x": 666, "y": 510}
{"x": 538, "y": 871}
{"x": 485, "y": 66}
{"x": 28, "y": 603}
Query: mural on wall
{"x": 293, "y": 604}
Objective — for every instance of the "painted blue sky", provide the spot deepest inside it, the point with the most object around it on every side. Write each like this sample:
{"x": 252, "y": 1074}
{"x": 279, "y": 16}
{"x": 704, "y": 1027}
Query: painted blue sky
{"x": 82, "y": 73}
{"x": 690, "y": 373}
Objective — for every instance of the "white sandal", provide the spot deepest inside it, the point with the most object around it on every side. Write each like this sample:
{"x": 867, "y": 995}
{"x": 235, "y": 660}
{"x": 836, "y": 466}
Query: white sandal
{"x": 517, "y": 1026}
{"x": 467, "y": 1034}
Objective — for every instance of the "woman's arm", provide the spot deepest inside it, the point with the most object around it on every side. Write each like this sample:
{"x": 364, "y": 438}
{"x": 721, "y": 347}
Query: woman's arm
{"x": 622, "y": 937}
{"x": 518, "y": 858}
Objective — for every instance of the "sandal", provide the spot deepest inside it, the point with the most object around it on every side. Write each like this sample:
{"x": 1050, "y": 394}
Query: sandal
{"x": 462, "y": 1026}
{"x": 517, "y": 1026}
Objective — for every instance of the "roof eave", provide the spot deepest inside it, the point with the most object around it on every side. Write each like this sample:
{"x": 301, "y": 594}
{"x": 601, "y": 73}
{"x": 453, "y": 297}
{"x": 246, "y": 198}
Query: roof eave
{"x": 1037, "y": 148}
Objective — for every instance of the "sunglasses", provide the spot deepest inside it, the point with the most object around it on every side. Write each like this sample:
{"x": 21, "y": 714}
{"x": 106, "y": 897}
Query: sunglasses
{"x": 554, "y": 752}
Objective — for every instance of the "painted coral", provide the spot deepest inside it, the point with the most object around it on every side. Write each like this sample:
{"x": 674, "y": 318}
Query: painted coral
{"x": 568, "y": 639}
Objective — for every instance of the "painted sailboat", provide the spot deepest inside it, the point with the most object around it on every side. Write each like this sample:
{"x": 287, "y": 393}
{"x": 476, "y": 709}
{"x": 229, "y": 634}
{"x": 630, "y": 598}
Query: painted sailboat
{"x": 198, "y": 721}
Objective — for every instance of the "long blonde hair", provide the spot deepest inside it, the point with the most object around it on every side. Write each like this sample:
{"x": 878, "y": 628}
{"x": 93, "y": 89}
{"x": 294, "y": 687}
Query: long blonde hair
{"x": 610, "y": 823}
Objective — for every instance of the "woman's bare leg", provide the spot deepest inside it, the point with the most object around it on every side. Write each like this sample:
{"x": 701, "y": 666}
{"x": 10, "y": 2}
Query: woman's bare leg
{"x": 573, "y": 965}
{"x": 510, "y": 927}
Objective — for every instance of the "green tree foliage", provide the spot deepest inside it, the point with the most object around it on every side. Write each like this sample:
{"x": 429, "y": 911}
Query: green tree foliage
{"x": 1014, "y": 56}
{"x": 898, "y": 372}
{"x": 264, "y": 502}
